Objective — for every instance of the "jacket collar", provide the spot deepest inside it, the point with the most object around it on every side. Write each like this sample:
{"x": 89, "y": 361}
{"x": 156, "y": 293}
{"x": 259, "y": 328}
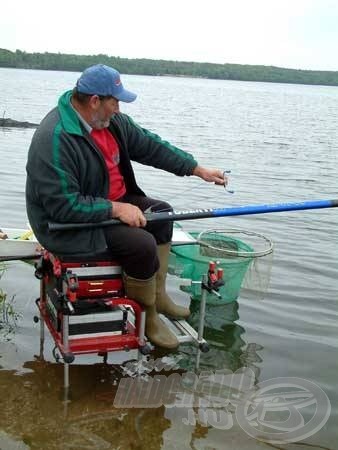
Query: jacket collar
{"x": 69, "y": 118}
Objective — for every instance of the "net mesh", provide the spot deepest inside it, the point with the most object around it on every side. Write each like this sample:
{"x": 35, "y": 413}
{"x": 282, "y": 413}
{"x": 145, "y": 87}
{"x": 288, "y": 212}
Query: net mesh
{"x": 238, "y": 252}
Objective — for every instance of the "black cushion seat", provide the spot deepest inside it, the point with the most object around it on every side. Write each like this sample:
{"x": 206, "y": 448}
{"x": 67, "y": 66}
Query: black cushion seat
{"x": 102, "y": 256}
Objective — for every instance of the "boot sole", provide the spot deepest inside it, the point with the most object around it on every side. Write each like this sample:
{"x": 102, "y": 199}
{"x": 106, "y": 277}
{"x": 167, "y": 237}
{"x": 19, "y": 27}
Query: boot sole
{"x": 167, "y": 347}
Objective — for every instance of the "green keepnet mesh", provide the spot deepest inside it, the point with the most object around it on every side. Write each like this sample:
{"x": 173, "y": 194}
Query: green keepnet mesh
{"x": 234, "y": 256}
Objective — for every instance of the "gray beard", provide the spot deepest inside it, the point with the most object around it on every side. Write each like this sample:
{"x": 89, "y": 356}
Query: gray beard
{"x": 99, "y": 124}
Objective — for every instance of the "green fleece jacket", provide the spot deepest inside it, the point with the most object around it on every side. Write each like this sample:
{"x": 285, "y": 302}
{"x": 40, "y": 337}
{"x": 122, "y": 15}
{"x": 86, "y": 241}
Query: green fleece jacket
{"x": 67, "y": 178}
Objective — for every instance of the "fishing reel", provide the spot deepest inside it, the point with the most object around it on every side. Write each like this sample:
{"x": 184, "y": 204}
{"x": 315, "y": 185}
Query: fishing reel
{"x": 213, "y": 280}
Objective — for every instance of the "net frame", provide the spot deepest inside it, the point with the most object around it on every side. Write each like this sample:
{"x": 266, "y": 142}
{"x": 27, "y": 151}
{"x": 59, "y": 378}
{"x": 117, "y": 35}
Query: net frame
{"x": 236, "y": 253}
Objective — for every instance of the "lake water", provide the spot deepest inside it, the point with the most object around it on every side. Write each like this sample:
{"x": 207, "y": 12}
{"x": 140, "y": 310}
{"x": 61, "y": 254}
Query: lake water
{"x": 280, "y": 143}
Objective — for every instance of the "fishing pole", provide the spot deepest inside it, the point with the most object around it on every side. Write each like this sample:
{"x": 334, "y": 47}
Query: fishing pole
{"x": 20, "y": 257}
{"x": 204, "y": 213}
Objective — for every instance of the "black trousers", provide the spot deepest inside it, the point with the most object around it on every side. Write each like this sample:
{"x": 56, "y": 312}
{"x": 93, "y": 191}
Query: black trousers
{"x": 135, "y": 248}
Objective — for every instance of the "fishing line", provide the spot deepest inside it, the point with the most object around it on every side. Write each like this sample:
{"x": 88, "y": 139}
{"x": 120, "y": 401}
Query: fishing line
{"x": 200, "y": 183}
{"x": 225, "y": 173}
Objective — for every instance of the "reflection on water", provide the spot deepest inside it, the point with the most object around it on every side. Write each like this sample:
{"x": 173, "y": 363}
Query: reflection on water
{"x": 34, "y": 408}
{"x": 226, "y": 339}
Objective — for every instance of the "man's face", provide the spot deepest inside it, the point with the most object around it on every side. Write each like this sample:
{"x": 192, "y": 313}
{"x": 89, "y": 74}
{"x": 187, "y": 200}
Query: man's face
{"x": 103, "y": 110}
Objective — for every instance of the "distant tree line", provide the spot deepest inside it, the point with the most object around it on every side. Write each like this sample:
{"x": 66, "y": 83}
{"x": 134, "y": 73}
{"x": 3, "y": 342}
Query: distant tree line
{"x": 77, "y": 63}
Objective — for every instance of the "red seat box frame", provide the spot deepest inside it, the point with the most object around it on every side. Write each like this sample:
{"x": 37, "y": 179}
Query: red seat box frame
{"x": 76, "y": 301}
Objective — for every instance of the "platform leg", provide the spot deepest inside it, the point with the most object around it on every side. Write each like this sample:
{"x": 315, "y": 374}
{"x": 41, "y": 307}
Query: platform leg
{"x": 42, "y": 336}
{"x": 65, "y": 376}
{"x": 42, "y": 329}
{"x": 65, "y": 341}
{"x": 42, "y": 322}
{"x": 202, "y": 320}
{"x": 202, "y": 309}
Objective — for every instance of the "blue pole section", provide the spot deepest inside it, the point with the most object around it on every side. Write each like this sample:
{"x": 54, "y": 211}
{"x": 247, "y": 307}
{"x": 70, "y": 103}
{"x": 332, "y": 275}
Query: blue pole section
{"x": 269, "y": 208}
{"x": 239, "y": 210}
{"x": 207, "y": 213}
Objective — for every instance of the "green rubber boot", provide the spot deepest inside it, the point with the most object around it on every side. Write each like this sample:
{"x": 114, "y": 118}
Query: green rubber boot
{"x": 144, "y": 292}
{"x": 164, "y": 304}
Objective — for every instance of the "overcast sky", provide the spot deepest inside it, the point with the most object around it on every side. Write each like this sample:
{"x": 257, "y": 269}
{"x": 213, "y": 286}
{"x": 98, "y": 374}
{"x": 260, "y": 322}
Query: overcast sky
{"x": 300, "y": 34}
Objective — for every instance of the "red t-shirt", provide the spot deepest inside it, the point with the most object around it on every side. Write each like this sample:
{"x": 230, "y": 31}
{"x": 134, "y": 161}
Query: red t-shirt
{"x": 111, "y": 153}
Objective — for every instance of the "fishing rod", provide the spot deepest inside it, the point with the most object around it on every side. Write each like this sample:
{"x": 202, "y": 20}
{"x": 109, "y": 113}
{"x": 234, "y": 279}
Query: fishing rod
{"x": 203, "y": 213}
{"x": 20, "y": 257}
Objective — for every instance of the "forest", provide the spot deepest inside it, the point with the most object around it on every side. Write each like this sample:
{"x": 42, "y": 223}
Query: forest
{"x": 77, "y": 63}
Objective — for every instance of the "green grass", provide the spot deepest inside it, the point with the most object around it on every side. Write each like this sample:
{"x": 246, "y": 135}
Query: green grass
{"x": 8, "y": 316}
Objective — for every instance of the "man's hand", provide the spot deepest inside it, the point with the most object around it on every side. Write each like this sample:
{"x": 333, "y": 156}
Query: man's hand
{"x": 211, "y": 175}
{"x": 129, "y": 214}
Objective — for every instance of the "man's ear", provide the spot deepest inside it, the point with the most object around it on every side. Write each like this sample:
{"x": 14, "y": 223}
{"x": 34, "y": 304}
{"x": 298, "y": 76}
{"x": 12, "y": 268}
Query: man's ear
{"x": 94, "y": 102}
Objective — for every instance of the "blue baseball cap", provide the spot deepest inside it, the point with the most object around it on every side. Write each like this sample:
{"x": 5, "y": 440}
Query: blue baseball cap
{"x": 105, "y": 81}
